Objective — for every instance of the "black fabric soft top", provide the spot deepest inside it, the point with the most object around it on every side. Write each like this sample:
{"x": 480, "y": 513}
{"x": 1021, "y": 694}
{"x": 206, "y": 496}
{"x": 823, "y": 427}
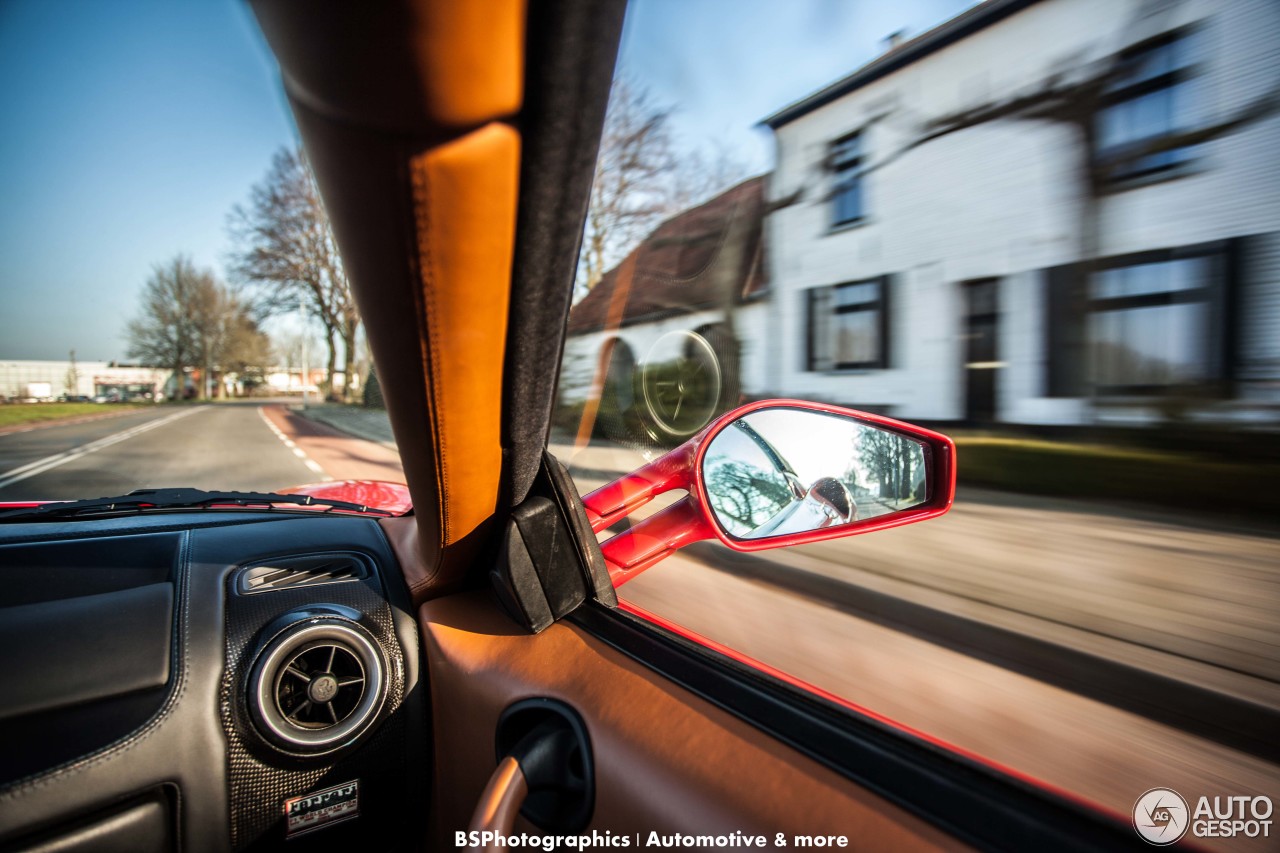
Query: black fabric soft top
{"x": 571, "y": 52}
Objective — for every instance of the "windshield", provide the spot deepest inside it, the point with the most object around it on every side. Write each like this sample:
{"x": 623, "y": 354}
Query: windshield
{"x": 1048, "y": 230}
{"x": 174, "y": 313}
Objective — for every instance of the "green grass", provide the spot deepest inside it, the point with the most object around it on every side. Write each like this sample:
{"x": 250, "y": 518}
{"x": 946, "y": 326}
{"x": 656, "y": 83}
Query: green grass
{"x": 24, "y": 413}
{"x": 1105, "y": 472}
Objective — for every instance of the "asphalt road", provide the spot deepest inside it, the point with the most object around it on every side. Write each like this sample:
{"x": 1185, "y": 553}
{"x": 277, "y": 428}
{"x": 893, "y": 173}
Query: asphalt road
{"x": 220, "y": 446}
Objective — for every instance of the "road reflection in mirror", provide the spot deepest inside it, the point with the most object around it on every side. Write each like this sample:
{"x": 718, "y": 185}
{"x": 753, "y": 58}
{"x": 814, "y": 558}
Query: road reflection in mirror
{"x": 776, "y": 472}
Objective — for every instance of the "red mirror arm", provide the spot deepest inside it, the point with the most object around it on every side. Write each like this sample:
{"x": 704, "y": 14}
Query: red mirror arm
{"x": 632, "y": 551}
{"x": 625, "y": 495}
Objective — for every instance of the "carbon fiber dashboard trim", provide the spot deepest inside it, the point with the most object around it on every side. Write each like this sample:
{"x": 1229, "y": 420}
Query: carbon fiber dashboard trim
{"x": 262, "y": 777}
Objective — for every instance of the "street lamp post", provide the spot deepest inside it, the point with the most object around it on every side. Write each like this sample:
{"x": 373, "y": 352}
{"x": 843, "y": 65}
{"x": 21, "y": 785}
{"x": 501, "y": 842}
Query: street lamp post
{"x": 302, "y": 308}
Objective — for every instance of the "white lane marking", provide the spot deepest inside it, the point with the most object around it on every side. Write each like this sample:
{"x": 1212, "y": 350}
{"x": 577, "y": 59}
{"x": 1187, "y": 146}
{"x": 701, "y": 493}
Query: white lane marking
{"x": 297, "y": 451}
{"x": 39, "y": 466}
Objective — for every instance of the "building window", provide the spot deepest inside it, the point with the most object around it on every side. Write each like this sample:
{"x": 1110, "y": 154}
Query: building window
{"x": 1150, "y": 328}
{"x": 1163, "y": 322}
{"x": 846, "y": 164}
{"x": 1151, "y": 97}
{"x": 848, "y": 325}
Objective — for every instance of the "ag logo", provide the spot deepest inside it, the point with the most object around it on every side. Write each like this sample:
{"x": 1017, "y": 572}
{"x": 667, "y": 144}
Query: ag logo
{"x": 1161, "y": 816}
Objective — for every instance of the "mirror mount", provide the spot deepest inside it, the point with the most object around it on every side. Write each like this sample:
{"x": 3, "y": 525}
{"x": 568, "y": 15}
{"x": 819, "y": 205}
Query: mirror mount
{"x": 694, "y": 518}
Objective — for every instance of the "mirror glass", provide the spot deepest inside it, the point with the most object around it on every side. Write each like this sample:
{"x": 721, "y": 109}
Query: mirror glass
{"x": 781, "y": 471}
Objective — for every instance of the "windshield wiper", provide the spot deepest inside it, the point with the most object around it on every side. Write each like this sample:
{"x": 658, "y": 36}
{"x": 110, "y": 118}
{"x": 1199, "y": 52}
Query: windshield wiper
{"x": 147, "y": 500}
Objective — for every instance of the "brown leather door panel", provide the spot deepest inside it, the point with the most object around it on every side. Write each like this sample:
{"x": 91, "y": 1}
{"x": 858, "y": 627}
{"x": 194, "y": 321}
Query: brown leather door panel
{"x": 666, "y": 761}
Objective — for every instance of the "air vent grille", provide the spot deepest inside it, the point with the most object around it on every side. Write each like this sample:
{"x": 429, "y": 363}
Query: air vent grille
{"x": 292, "y": 572}
{"x": 317, "y": 686}
{"x": 320, "y": 687}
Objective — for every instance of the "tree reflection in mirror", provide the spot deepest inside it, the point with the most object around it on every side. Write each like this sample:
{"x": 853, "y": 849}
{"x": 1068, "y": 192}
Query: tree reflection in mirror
{"x": 782, "y": 471}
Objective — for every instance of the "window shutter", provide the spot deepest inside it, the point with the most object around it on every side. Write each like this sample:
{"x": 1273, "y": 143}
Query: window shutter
{"x": 886, "y": 323}
{"x": 818, "y": 332}
{"x": 1228, "y": 296}
{"x": 1065, "y": 327}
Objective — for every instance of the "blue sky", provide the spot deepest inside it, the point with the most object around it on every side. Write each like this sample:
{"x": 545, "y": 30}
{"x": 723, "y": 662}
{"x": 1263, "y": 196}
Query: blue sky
{"x": 726, "y": 64}
{"x": 131, "y": 127}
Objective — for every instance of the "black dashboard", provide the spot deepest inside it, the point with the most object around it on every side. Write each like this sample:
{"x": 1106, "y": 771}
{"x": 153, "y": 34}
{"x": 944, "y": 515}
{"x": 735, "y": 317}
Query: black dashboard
{"x": 208, "y": 681}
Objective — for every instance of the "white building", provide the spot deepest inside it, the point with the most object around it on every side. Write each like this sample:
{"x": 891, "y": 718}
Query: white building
{"x": 945, "y": 242}
{"x": 48, "y": 380}
{"x": 942, "y": 280}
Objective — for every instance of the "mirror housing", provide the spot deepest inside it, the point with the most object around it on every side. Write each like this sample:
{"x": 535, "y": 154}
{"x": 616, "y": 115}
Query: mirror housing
{"x": 695, "y": 517}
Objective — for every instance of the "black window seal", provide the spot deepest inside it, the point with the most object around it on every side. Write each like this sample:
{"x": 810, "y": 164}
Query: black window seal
{"x": 960, "y": 796}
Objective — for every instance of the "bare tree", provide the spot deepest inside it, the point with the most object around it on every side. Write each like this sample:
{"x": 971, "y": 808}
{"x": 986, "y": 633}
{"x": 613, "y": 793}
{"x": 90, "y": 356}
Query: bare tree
{"x": 630, "y": 190}
{"x": 641, "y": 179}
{"x": 71, "y": 382}
{"x": 288, "y": 257}
{"x": 189, "y": 319}
{"x": 228, "y": 339}
{"x": 164, "y": 332}
{"x": 745, "y": 494}
{"x": 246, "y": 349}
{"x": 886, "y": 459}
{"x": 701, "y": 175}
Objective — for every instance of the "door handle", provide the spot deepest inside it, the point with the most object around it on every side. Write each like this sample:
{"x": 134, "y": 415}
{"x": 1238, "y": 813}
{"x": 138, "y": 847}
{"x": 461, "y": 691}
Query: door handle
{"x": 499, "y": 804}
{"x": 544, "y": 772}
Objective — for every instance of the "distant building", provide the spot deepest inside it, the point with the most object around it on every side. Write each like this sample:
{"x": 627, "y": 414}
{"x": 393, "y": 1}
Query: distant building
{"x": 49, "y": 380}
{"x": 44, "y": 381}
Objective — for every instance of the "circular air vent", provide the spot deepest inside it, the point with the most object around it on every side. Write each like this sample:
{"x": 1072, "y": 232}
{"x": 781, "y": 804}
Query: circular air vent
{"x": 317, "y": 686}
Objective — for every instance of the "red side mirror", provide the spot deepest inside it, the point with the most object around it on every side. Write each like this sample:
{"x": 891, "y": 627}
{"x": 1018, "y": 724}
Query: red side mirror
{"x": 778, "y": 473}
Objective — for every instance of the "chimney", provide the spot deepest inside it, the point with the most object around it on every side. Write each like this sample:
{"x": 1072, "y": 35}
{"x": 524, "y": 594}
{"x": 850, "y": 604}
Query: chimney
{"x": 894, "y": 39}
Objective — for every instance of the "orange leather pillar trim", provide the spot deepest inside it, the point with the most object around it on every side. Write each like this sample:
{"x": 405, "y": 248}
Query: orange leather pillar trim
{"x": 464, "y": 204}
{"x": 405, "y": 66}
{"x": 471, "y": 59}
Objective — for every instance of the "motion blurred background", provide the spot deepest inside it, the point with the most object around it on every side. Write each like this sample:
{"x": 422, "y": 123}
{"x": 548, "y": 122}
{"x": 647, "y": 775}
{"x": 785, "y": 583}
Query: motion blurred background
{"x": 1047, "y": 228}
{"x": 1052, "y": 231}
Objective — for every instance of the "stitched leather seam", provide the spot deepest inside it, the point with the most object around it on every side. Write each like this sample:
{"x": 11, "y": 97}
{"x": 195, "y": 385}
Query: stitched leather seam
{"x": 424, "y": 298}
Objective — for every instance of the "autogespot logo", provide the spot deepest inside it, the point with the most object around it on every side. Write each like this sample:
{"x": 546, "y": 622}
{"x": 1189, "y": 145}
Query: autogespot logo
{"x": 1160, "y": 816}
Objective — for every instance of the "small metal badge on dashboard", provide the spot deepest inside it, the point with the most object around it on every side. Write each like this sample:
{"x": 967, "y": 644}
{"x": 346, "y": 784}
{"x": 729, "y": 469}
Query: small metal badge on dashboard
{"x": 322, "y": 808}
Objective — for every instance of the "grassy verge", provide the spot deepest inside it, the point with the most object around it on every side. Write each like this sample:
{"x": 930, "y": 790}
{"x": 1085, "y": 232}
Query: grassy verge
{"x": 24, "y": 413}
{"x": 1118, "y": 473}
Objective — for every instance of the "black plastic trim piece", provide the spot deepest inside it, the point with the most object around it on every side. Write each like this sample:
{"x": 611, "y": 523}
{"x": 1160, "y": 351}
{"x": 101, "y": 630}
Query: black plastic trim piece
{"x": 565, "y": 493}
{"x": 310, "y": 570}
{"x": 553, "y": 748}
{"x": 549, "y": 562}
{"x": 960, "y": 796}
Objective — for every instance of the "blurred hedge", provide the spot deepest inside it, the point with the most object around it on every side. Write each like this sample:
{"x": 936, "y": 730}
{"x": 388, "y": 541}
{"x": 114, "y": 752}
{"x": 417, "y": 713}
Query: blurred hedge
{"x": 1118, "y": 473}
